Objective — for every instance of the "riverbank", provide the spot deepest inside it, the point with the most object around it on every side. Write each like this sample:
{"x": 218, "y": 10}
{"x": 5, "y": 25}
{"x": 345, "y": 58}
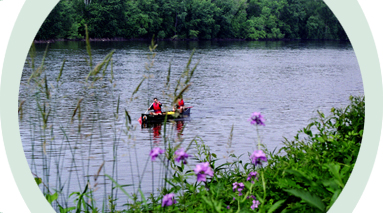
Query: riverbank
{"x": 175, "y": 39}
{"x": 306, "y": 175}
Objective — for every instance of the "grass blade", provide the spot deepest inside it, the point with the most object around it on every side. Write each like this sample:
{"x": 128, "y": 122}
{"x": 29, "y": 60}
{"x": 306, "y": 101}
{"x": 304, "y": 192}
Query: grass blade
{"x": 120, "y": 187}
{"x": 61, "y": 71}
{"x": 137, "y": 88}
{"x": 88, "y": 49}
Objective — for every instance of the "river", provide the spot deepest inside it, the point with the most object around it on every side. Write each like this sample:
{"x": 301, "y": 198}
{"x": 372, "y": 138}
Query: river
{"x": 287, "y": 81}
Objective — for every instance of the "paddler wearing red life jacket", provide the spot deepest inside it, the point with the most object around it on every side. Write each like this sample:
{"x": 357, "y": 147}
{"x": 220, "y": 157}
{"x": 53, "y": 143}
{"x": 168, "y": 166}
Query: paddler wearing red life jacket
{"x": 180, "y": 105}
{"x": 156, "y": 106}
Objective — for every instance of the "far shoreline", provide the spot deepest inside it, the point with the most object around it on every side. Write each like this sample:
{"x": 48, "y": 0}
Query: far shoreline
{"x": 176, "y": 39}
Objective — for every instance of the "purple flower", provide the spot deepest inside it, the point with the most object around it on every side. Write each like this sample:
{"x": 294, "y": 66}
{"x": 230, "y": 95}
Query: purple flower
{"x": 203, "y": 169}
{"x": 228, "y": 207}
{"x": 181, "y": 155}
{"x": 155, "y": 152}
{"x": 257, "y": 119}
{"x": 257, "y": 157}
{"x": 255, "y": 204}
{"x": 168, "y": 200}
{"x": 252, "y": 196}
{"x": 252, "y": 175}
{"x": 239, "y": 187}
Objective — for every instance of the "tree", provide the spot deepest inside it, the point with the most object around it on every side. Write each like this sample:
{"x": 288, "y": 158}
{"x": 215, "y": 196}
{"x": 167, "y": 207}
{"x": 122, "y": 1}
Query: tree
{"x": 60, "y": 23}
{"x": 203, "y": 19}
{"x": 106, "y": 19}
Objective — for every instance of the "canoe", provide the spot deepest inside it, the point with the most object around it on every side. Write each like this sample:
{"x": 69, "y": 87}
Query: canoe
{"x": 148, "y": 118}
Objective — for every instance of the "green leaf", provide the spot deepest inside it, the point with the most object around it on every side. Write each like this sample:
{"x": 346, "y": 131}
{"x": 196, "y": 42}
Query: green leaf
{"x": 207, "y": 201}
{"x": 143, "y": 199}
{"x": 331, "y": 185}
{"x": 80, "y": 199}
{"x": 50, "y": 198}
{"x": 259, "y": 198}
{"x": 69, "y": 209}
{"x": 128, "y": 117}
{"x": 334, "y": 169}
{"x": 334, "y": 197}
{"x": 275, "y": 206}
{"x": 302, "y": 175}
{"x": 308, "y": 197}
{"x": 38, "y": 180}
{"x": 123, "y": 186}
{"x": 320, "y": 139}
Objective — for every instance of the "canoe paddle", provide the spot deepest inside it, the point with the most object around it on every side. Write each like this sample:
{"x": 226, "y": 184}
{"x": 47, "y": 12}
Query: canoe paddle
{"x": 149, "y": 108}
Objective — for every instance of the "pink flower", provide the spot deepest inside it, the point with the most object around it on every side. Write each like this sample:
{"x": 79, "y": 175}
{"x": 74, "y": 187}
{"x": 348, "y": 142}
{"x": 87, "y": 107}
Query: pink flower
{"x": 203, "y": 169}
{"x": 252, "y": 175}
{"x": 168, "y": 200}
{"x": 239, "y": 187}
{"x": 155, "y": 152}
{"x": 255, "y": 204}
{"x": 181, "y": 155}
{"x": 257, "y": 119}
{"x": 257, "y": 157}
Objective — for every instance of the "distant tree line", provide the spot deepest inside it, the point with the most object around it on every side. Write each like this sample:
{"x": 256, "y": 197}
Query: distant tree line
{"x": 192, "y": 19}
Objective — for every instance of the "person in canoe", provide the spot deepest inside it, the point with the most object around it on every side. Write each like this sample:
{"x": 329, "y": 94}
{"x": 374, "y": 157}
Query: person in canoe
{"x": 179, "y": 105}
{"x": 156, "y": 106}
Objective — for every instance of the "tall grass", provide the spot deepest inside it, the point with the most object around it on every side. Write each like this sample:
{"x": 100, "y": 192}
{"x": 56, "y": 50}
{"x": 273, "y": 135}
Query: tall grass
{"x": 50, "y": 156}
{"x": 63, "y": 151}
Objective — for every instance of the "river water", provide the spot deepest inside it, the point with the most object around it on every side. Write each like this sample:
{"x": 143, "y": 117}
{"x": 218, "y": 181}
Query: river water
{"x": 287, "y": 81}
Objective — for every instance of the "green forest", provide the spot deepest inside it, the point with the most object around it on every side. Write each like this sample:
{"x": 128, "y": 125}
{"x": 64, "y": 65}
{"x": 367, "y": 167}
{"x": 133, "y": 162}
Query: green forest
{"x": 192, "y": 19}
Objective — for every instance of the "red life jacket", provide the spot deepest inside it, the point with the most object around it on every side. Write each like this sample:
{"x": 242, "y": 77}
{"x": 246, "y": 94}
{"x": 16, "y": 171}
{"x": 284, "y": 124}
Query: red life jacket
{"x": 180, "y": 103}
{"x": 156, "y": 107}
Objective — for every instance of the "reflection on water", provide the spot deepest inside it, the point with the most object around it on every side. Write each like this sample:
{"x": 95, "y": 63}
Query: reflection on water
{"x": 157, "y": 133}
{"x": 287, "y": 81}
{"x": 177, "y": 126}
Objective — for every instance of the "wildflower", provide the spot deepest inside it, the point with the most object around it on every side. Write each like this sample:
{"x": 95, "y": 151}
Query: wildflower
{"x": 252, "y": 196}
{"x": 251, "y": 175}
{"x": 228, "y": 207}
{"x": 239, "y": 187}
{"x": 203, "y": 169}
{"x": 257, "y": 119}
{"x": 181, "y": 155}
{"x": 155, "y": 152}
{"x": 255, "y": 204}
{"x": 168, "y": 200}
{"x": 257, "y": 157}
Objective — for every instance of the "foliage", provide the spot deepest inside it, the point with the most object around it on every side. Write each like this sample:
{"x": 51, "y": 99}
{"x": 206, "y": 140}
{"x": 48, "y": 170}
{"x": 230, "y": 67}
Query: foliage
{"x": 306, "y": 175}
{"x": 60, "y": 23}
{"x": 106, "y": 19}
{"x": 192, "y": 19}
{"x": 315, "y": 168}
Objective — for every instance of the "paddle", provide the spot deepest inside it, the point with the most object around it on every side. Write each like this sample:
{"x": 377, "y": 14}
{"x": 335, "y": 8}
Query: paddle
{"x": 139, "y": 120}
{"x": 149, "y": 108}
